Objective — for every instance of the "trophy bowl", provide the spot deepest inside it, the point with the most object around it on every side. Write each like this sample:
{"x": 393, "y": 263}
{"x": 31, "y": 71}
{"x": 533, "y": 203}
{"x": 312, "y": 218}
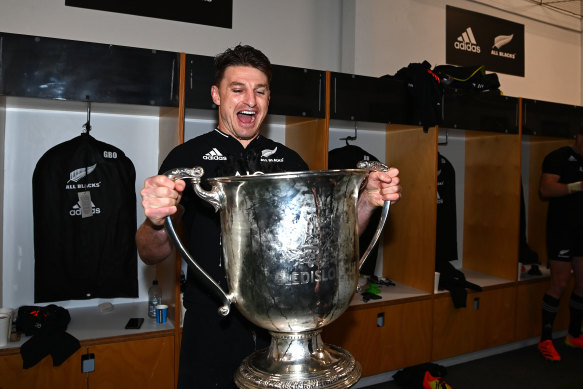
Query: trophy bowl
{"x": 290, "y": 247}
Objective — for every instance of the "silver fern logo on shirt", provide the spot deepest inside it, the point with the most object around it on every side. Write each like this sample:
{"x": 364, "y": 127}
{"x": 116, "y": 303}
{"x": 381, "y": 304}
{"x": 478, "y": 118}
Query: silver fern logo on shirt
{"x": 266, "y": 153}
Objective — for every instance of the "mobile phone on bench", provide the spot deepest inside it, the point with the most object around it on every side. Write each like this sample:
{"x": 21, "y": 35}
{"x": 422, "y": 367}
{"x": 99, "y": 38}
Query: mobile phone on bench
{"x": 134, "y": 323}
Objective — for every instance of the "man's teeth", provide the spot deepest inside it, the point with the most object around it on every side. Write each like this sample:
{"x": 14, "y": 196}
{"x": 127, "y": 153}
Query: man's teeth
{"x": 248, "y": 112}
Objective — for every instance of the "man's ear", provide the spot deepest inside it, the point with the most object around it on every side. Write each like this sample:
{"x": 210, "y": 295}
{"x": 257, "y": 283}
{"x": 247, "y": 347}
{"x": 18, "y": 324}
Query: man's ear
{"x": 215, "y": 95}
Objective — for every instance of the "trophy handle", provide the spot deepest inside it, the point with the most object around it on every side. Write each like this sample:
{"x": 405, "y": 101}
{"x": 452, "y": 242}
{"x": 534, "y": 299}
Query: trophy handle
{"x": 375, "y": 166}
{"x": 213, "y": 197}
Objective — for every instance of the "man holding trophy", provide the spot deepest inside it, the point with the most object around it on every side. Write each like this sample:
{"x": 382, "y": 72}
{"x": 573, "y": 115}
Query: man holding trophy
{"x": 214, "y": 346}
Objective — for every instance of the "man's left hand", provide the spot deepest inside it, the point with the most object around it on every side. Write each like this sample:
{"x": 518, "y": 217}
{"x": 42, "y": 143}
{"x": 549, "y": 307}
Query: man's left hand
{"x": 381, "y": 187}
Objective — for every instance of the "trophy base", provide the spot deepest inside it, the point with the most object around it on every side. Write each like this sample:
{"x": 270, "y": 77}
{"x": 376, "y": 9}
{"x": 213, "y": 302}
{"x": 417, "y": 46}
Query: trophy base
{"x": 298, "y": 361}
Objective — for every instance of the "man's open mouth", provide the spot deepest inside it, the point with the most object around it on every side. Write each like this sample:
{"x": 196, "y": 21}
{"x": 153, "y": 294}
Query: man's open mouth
{"x": 246, "y": 116}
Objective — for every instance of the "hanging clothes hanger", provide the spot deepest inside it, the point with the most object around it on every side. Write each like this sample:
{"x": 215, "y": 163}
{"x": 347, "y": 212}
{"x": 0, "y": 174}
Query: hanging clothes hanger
{"x": 87, "y": 125}
{"x": 351, "y": 138}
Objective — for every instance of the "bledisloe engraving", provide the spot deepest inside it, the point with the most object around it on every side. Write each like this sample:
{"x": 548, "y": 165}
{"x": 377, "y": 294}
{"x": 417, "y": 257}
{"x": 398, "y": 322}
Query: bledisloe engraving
{"x": 309, "y": 276}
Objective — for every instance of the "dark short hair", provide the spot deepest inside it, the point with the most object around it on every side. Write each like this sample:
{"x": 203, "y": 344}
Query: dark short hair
{"x": 241, "y": 55}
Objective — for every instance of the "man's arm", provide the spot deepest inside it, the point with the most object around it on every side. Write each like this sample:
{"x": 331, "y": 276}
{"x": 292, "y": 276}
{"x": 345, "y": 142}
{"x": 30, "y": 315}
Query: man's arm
{"x": 160, "y": 198}
{"x": 551, "y": 187}
{"x": 154, "y": 244}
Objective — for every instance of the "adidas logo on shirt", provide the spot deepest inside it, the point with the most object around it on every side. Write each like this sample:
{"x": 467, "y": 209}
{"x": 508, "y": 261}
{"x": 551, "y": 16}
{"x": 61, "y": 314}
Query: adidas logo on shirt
{"x": 467, "y": 42}
{"x": 214, "y": 155}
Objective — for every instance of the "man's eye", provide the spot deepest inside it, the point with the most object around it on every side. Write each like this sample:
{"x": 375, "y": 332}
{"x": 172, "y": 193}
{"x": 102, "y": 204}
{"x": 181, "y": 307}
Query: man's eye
{"x": 260, "y": 92}
{"x": 237, "y": 90}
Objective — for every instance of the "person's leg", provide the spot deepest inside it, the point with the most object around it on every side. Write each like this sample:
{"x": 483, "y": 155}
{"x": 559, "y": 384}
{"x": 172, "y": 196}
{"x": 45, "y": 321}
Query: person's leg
{"x": 560, "y": 275}
{"x": 574, "y": 338}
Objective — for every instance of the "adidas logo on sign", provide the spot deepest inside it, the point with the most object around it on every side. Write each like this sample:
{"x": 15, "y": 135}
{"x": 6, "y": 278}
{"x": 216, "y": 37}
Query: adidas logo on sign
{"x": 467, "y": 42}
{"x": 214, "y": 155}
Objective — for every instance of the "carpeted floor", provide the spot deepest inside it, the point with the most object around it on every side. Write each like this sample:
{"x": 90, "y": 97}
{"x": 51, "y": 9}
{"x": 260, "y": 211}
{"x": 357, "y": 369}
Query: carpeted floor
{"x": 518, "y": 369}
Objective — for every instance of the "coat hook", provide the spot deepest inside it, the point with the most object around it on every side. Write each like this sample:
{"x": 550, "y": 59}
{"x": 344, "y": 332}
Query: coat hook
{"x": 443, "y": 143}
{"x": 87, "y": 125}
{"x": 352, "y": 137}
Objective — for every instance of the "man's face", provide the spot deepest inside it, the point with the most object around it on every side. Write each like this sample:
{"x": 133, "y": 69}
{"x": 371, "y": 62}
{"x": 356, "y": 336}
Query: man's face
{"x": 242, "y": 98}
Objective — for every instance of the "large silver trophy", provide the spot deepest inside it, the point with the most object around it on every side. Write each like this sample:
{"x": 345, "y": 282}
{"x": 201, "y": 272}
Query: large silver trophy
{"x": 290, "y": 245}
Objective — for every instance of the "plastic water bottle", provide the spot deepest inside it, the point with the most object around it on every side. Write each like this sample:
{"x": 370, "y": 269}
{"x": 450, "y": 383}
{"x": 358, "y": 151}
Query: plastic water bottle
{"x": 154, "y": 298}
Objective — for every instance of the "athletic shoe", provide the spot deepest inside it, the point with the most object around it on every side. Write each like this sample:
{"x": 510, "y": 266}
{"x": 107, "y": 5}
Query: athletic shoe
{"x": 574, "y": 342}
{"x": 431, "y": 382}
{"x": 547, "y": 349}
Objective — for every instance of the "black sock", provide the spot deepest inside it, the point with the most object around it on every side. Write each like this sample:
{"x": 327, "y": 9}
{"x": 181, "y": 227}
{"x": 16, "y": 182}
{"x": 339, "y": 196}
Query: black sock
{"x": 550, "y": 309}
{"x": 576, "y": 311}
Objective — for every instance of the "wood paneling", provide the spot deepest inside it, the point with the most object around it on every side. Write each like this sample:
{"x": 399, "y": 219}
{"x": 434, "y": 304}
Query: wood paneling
{"x": 144, "y": 364}
{"x": 386, "y": 338}
{"x": 529, "y": 297}
{"x": 492, "y": 204}
{"x": 409, "y": 235}
{"x": 43, "y": 375}
{"x": 487, "y": 321}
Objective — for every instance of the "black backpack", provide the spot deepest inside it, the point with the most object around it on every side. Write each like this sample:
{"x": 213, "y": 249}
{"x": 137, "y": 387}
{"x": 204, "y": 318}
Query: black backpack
{"x": 425, "y": 92}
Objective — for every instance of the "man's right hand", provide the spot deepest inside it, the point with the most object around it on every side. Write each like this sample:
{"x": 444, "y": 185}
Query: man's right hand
{"x": 160, "y": 198}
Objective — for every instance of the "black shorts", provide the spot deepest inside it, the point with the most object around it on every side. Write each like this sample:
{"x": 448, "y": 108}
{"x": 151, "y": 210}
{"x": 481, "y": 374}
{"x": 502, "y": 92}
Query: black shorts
{"x": 564, "y": 244}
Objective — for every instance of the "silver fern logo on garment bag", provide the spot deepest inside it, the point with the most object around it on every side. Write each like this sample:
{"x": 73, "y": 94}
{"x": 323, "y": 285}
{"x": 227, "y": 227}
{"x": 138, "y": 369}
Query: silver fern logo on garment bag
{"x": 84, "y": 207}
{"x": 80, "y": 173}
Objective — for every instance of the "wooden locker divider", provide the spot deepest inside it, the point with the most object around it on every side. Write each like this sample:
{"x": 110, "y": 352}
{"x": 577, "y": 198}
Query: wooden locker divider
{"x": 492, "y": 207}
{"x": 309, "y": 137}
{"x": 409, "y": 235}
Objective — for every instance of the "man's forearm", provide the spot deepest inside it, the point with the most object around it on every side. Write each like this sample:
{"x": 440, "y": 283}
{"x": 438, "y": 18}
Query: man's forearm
{"x": 153, "y": 243}
{"x": 364, "y": 211}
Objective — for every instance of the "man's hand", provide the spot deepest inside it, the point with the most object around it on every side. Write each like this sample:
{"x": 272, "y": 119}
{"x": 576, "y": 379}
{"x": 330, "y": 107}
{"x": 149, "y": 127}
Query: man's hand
{"x": 160, "y": 198}
{"x": 381, "y": 187}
